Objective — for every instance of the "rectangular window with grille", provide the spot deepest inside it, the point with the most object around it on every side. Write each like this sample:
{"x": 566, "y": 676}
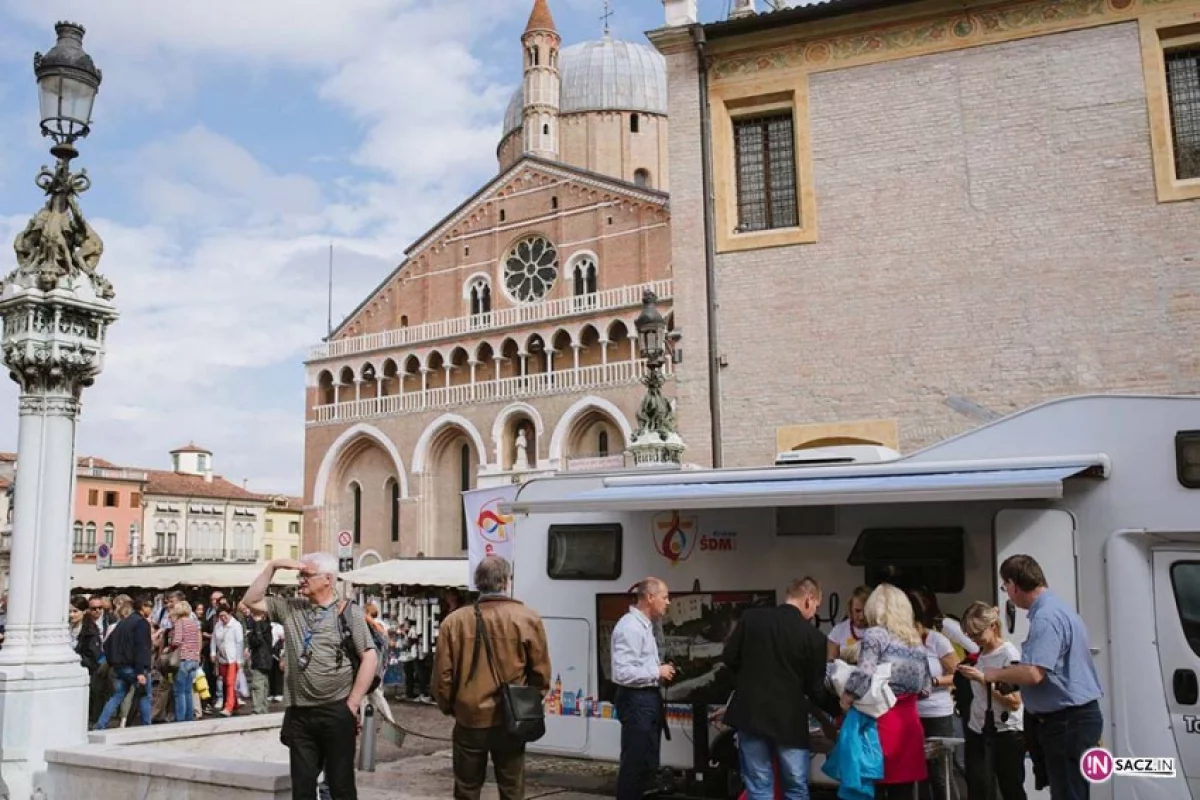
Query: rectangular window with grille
{"x": 765, "y": 153}
{"x": 1183, "y": 97}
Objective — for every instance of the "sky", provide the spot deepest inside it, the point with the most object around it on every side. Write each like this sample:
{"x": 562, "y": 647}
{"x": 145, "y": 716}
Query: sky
{"x": 232, "y": 143}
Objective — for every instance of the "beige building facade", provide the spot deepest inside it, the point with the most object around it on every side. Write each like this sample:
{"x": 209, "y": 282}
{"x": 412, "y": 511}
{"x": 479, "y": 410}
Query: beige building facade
{"x": 503, "y": 345}
{"x": 192, "y": 515}
{"x": 283, "y": 529}
{"x": 928, "y": 214}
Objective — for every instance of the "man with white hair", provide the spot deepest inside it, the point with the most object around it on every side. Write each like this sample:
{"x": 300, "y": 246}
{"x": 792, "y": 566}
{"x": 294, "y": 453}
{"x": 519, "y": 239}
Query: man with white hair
{"x": 322, "y": 690}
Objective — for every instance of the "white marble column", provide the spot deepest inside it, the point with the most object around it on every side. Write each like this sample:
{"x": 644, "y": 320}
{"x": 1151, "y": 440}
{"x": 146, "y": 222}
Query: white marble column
{"x": 55, "y": 318}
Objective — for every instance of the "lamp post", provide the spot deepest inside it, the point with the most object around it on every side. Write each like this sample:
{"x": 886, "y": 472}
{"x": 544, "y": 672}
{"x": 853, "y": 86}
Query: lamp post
{"x": 56, "y": 309}
{"x": 655, "y": 443}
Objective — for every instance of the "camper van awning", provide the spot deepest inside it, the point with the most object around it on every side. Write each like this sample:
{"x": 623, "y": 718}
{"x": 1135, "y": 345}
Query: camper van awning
{"x": 1044, "y": 483}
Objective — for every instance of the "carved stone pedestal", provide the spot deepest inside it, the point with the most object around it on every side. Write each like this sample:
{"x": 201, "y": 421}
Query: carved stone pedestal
{"x": 56, "y": 312}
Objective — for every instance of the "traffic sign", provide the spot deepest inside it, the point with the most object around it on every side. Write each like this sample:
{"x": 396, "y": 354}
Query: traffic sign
{"x": 345, "y": 544}
{"x": 345, "y": 564}
{"x": 103, "y": 556}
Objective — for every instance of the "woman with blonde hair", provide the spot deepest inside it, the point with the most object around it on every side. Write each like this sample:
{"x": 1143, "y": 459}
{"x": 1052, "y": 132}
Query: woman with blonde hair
{"x": 185, "y": 637}
{"x": 850, "y": 630}
{"x": 982, "y": 623}
{"x": 891, "y": 638}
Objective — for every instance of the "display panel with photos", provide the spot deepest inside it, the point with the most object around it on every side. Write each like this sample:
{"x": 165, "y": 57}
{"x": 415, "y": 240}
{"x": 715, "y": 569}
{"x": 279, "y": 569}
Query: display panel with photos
{"x": 693, "y": 635}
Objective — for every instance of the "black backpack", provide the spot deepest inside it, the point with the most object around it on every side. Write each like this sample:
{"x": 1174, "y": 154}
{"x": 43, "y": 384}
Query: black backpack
{"x": 381, "y": 645}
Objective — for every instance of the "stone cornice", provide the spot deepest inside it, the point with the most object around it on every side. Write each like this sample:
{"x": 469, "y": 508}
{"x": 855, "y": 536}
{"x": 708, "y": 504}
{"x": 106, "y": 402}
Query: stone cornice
{"x": 927, "y": 28}
{"x": 670, "y": 41}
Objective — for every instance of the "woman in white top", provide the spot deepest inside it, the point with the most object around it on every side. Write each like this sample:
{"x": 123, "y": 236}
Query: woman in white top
{"x": 937, "y": 710}
{"x": 228, "y": 645}
{"x": 982, "y": 623}
{"x": 850, "y": 630}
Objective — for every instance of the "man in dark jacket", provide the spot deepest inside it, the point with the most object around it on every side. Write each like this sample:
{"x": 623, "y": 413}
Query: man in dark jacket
{"x": 778, "y": 658}
{"x": 128, "y": 652}
{"x": 262, "y": 657}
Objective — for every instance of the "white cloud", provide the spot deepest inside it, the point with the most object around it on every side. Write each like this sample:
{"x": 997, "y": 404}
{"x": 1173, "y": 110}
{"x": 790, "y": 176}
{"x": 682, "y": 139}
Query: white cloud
{"x": 220, "y": 265}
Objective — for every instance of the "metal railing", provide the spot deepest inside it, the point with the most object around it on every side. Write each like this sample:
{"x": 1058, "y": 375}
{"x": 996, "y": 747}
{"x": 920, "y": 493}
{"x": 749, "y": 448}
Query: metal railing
{"x": 607, "y": 300}
{"x": 565, "y": 381}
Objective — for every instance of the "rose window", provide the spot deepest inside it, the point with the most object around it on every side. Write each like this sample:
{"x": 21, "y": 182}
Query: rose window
{"x": 530, "y": 269}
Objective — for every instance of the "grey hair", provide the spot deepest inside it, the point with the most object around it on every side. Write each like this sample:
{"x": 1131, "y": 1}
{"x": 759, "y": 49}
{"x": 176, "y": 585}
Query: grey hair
{"x": 492, "y": 575}
{"x": 322, "y": 563}
{"x": 646, "y": 587}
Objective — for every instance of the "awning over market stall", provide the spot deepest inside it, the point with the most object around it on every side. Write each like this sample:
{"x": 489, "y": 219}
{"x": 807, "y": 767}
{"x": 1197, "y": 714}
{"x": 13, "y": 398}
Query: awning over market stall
{"x": 85, "y": 577}
{"x": 447, "y": 572}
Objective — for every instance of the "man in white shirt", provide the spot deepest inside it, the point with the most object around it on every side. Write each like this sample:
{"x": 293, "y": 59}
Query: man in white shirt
{"x": 637, "y": 673}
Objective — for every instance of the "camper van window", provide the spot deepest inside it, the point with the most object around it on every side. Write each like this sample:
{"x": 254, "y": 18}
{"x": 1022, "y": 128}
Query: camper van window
{"x": 1185, "y": 582}
{"x": 1187, "y": 458}
{"x": 931, "y": 557}
{"x": 584, "y": 552}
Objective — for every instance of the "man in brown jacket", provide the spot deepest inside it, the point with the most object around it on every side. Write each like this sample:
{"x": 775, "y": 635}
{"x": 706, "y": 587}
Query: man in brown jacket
{"x": 466, "y": 686}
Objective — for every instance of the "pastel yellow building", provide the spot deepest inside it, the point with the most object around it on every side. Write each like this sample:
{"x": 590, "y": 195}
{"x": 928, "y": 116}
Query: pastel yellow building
{"x": 283, "y": 528}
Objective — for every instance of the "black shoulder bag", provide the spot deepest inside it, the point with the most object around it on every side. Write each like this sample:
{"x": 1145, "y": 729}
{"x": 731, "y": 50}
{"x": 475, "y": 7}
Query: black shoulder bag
{"x": 524, "y": 715}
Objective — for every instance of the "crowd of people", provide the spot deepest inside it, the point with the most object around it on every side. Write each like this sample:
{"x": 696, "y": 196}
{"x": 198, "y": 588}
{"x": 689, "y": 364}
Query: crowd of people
{"x": 168, "y": 659}
{"x": 891, "y": 689}
{"x": 885, "y": 688}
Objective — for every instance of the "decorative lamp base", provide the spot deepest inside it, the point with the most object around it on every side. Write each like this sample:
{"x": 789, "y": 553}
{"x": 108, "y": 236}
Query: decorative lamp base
{"x": 653, "y": 450}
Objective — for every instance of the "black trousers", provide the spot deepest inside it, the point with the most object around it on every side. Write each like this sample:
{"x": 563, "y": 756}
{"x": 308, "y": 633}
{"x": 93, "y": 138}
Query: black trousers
{"x": 321, "y": 738}
{"x": 640, "y": 714}
{"x": 1008, "y": 765}
{"x": 1064, "y": 737}
{"x": 472, "y": 746}
{"x": 935, "y": 787}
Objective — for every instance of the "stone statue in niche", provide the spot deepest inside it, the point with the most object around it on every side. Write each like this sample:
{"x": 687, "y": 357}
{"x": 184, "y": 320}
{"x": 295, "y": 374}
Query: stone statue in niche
{"x": 521, "y": 462}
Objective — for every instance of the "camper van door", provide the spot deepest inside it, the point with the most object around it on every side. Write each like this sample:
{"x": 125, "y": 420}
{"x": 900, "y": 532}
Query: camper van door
{"x": 1049, "y": 536}
{"x": 1177, "y": 629}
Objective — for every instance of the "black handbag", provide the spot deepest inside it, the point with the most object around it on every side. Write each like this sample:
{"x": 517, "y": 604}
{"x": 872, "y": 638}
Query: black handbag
{"x": 524, "y": 714}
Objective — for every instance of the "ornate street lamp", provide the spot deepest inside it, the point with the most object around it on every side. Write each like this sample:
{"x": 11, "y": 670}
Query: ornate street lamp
{"x": 56, "y": 309}
{"x": 655, "y": 443}
{"x": 67, "y": 85}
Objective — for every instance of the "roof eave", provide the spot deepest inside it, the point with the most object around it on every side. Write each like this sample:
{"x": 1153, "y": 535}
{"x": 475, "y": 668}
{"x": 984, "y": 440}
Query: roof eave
{"x": 795, "y": 15}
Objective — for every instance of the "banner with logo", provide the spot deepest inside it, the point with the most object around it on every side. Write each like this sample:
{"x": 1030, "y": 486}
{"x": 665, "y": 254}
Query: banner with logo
{"x": 489, "y": 532}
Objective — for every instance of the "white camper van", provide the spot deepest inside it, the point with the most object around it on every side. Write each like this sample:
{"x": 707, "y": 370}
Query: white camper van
{"x": 1104, "y": 491}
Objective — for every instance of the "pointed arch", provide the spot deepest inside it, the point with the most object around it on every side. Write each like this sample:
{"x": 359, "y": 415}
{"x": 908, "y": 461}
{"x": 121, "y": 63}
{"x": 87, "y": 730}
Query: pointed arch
{"x": 346, "y": 440}
{"x": 421, "y": 451}
{"x": 563, "y": 428}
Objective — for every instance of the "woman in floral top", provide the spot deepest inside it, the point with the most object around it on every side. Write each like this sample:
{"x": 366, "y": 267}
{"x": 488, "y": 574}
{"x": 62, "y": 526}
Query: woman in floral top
{"x": 892, "y": 638}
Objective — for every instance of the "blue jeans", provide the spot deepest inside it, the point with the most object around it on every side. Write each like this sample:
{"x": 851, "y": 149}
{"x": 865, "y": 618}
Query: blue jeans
{"x": 185, "y": 711}
{"x": 125, "y": 680}
{"x": 758, "y": 774}
{"x": 1065, "y": 736}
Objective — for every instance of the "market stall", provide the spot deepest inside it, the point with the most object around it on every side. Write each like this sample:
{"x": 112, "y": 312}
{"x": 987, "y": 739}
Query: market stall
{"x": 413, "y": 595}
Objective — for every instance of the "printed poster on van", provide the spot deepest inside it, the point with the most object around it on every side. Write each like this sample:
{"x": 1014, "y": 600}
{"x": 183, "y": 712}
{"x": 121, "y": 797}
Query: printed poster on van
{"x": 489, "y": 532}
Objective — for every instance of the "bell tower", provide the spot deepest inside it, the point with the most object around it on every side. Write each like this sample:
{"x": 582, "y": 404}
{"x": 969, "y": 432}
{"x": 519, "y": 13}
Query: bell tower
{"x": 541, "y": 44}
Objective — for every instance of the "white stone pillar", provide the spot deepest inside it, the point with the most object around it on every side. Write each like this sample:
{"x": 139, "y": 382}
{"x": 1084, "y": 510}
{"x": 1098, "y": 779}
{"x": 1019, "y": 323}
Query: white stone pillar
{"x": 680, "y": 12}
{"x": 55, "y": 317}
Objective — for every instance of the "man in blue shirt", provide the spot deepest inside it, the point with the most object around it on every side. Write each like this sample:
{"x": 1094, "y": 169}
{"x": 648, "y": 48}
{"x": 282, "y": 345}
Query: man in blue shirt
{"x": 637, "y": 672}
{"x": 1058, "y": 680}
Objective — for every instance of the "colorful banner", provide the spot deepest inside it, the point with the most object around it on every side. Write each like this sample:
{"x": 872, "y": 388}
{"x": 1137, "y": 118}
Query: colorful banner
{"x": 489, "y": 532}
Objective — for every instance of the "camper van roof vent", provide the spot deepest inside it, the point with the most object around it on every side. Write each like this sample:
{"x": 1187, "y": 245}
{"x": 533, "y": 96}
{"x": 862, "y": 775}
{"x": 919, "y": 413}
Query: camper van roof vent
{"x": 841, "y": 454}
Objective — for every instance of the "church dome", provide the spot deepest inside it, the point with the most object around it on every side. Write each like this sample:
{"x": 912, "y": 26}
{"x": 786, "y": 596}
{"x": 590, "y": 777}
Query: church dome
{"x": 605, "y": 75}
